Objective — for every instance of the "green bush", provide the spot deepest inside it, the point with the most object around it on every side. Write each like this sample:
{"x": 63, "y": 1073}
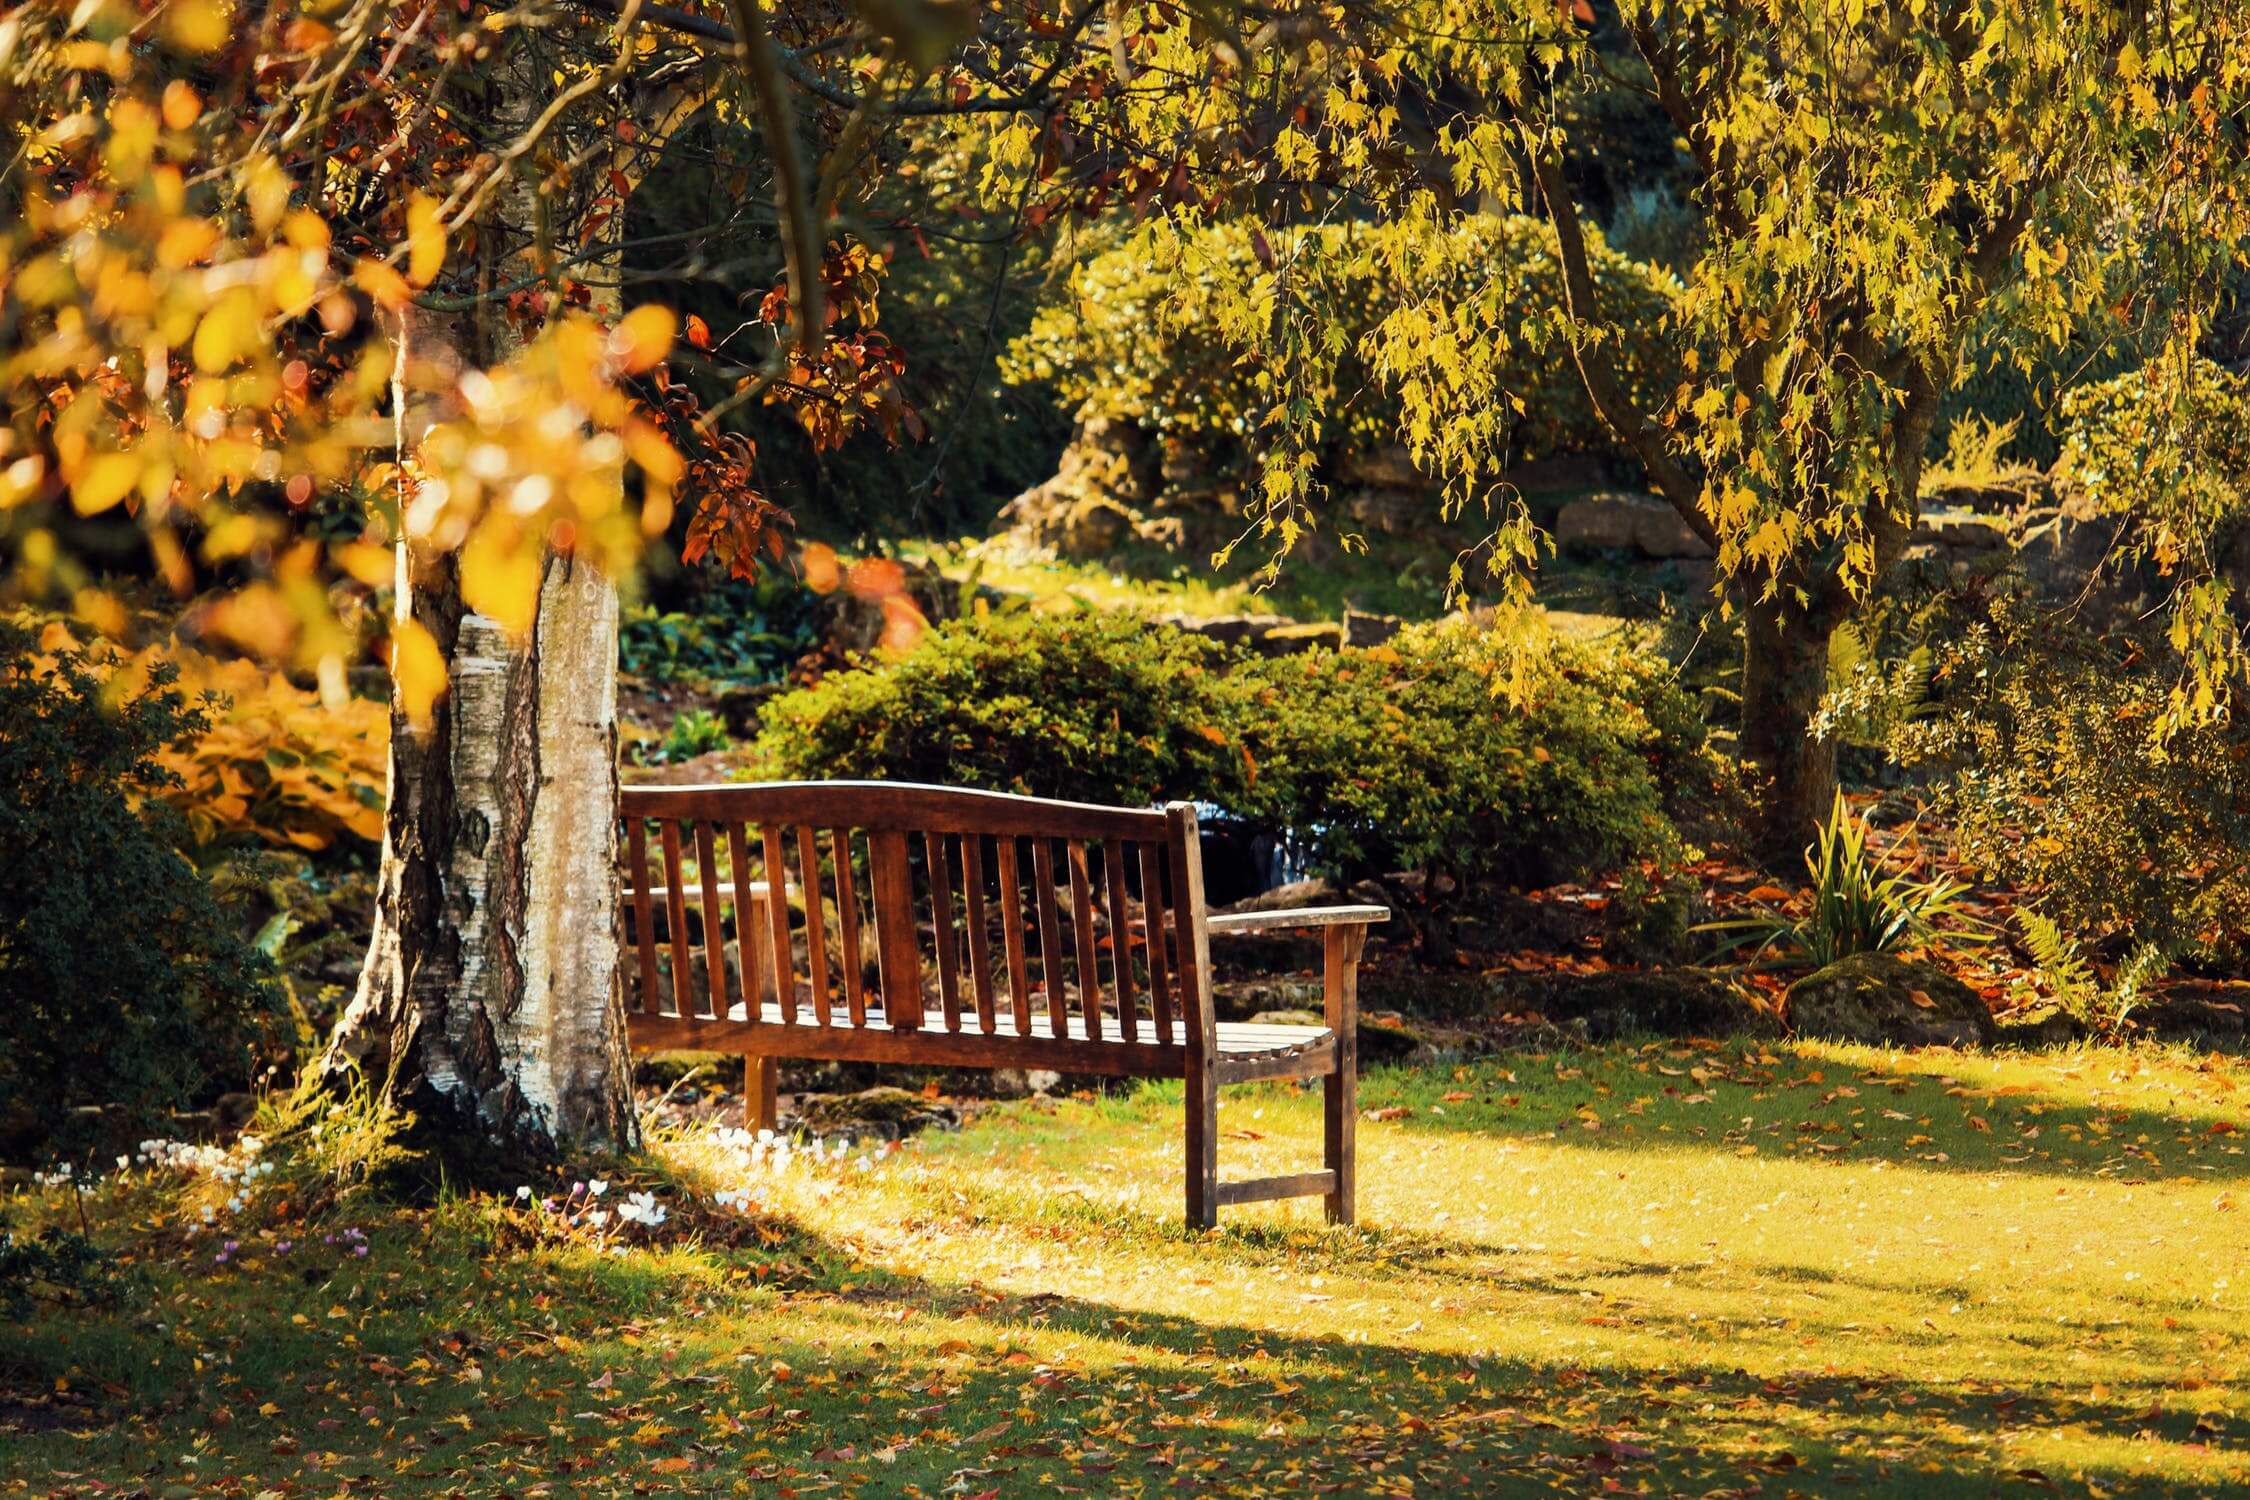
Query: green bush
{"x": 1409, "y": 756}
{"x": 1403, "y": 756}
{"x": 123, "y": 980}
{"x": 1140, "y": 338}
{"x": 1094, "y": 707}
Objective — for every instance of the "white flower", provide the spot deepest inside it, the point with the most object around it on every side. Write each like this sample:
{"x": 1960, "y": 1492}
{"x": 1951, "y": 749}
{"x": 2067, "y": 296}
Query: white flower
{"x": 598, "y": 1217}
{"x": 596, "y": 1187}
{"x": 522, "y": 1193}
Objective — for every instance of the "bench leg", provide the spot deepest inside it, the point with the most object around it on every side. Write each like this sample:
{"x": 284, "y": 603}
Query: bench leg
{"x": 1340, "y": 1089}
{"x": 760, "y": 1110}
{"x": 1202, "y": 1145}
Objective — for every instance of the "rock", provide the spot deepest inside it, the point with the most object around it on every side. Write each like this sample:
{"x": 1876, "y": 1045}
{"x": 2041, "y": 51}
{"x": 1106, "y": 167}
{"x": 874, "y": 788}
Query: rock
{"x": 1598, "y": 523}
{"x": 1875, "y": 998}
{"x": 1370, "y": 630}
{"x": 1092, "y": 528}
{"x": 1627, "y": 523}
{"x": 2210, "y": 1014}
{"x": 1109, "y": 470}
{"x": 1958, "y": 529}
{"x": 1389, "y": 467}
{"x": 1288, "y": 640}
{"x": 883, "y": 1113}
{"x": 1020, "y": 1083}
{"x": 1381, "y": 1038}
{"x": 1289, "y": 897}
{"x": 2052, "y": 1027}
{"x": 1642, "y": 1002}
{"x": 1391, "y": 512}
{"x": 1227, "y": 630}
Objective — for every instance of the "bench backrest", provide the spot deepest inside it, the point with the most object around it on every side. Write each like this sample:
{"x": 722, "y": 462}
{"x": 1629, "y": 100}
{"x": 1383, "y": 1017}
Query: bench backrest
{"x": 919, "y": 906}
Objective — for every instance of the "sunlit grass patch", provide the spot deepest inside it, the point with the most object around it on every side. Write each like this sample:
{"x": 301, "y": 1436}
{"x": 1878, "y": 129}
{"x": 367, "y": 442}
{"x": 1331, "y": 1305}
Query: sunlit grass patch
{"x": 1672, "y": 1268}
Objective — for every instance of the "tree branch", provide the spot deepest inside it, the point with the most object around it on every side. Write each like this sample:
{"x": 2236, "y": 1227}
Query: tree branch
{"x": 1642, "y": 433}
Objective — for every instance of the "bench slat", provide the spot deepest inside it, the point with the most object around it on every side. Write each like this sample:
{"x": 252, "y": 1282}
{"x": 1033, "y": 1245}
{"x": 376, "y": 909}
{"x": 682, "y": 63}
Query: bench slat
{"x": 1082, "y": 930}
{"x": 847, "y": 928}
{"x": 900, "y": 955}
{"x": 1152, "y": 933}
{"x": 899, "y": 807}
{"x": 777, "y": 922}
{"x": 1050, "y": 932}
{"x": 939, "y": 872}
{"x": 1121, "y": 939}
{"x": 1261, "y": 1189}
{"x": 644, "y": 924}
{"x": 980, "y": 940}
{"x": 746, "y": 942}
{"x": 816, "y": 922}
{"x": 1011, "y": 932}
{"x": 714, "y": 929}
{"x": 675, "y": 889}
{"x": 1303, "y": 916}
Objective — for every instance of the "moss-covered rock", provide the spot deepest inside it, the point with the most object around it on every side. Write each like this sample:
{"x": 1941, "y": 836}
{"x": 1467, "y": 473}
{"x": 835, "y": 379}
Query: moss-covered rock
{"x": 1642, "y": 1002}
{"x": 884, "y": 1113}
{"x": 1877, "y": 999}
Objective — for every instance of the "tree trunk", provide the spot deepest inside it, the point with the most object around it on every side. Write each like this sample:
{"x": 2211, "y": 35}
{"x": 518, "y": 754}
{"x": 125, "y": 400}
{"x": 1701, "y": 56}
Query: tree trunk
{"x": 488, "y": 1004}
{"x": 1784, "y": 676}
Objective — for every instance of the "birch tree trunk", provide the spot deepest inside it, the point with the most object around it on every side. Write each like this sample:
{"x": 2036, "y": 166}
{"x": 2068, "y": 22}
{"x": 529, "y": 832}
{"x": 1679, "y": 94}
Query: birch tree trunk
{"x": 488, "y": 1004}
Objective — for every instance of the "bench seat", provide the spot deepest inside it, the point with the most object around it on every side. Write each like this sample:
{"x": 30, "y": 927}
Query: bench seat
{"x": 1249, "y": 1049}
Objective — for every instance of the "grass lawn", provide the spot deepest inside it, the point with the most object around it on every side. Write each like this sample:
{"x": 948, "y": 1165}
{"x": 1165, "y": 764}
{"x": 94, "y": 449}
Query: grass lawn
{"x": 1660, "y": 1270}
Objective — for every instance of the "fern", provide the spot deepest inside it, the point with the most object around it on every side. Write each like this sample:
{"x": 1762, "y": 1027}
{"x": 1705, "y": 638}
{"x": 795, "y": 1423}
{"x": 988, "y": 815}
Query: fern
{"x": 2061, "y": 967}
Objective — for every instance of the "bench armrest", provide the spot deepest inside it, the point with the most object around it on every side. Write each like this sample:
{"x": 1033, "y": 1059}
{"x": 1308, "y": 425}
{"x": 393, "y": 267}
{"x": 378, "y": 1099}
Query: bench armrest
{"x": 1303, "y": 916}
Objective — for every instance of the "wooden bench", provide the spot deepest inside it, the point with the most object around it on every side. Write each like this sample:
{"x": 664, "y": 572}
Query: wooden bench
{"x": 1057, "y": 935}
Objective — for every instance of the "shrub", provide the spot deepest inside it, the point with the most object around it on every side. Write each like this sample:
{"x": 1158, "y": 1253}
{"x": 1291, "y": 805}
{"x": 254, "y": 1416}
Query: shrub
{"x": 1401, "y": 756}
{"x": 1095, "y": 707}
{"x": 275, "y": 764}
{"x": 1410, "y": 756}
{"x": 270, "y": 762}
{"x": 124, "y": 982}
{"x": 736, "y": 632}
{"x": 54, "y": 1267}
{"x": 2169, "y": 444}
{"x": 2050, "y": 767}
{"x": 1140, "y": 337}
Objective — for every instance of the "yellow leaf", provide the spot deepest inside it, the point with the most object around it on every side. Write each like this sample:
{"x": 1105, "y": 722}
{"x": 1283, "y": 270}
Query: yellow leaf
{"x": 418, "y": 667}
{"x": 228, "y": 331}
{"x": 386, "y": 286}
{"x": 197, "y": 25}
{"x": 425, "y": 240}
{"x": 642, "y": 338}
{"x": 500, "y": 578}
{"x": 104, "y": 482}
{"x": 370, "y": 564}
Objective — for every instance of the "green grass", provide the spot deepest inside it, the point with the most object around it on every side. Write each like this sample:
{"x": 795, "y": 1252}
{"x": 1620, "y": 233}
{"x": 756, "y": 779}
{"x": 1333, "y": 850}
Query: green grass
{"x": 1671, "y": 1269}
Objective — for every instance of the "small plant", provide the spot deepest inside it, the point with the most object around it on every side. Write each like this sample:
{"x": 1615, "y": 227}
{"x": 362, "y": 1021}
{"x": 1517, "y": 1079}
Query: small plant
{"x": 1853, "y": 906}
{"x": 56, "y": 1267}
{"x": 2070, "y": 980}
{"x": 694, "y": 731}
